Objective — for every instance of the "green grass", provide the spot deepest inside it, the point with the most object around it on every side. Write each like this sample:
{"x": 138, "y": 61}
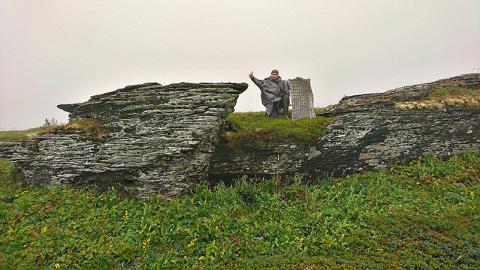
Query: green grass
{"x": 252, "y": 128}
{"x": 14, "y": 135}
{"x": 425, "y": 215}
{"x": 90, "y": 128}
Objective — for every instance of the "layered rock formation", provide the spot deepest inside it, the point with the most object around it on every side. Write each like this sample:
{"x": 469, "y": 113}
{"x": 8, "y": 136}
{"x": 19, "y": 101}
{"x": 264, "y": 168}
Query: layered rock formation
{"x": 144, "y": 139}
{"x": 153, "y": 139}
{"x": 371, "y": 132}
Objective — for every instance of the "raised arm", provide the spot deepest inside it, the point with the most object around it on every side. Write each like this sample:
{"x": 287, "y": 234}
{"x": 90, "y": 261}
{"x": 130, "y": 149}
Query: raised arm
{"x": 255, "y": 80}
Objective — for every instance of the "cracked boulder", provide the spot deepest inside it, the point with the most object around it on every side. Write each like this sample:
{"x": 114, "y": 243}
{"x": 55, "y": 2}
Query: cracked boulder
{"x": 143, "y": 139}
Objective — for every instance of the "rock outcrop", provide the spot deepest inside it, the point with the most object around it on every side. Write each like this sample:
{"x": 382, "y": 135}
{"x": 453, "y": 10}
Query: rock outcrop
{"x": 144, "y": 139}
{"x": 153, "y": 139}
{"x": 371, "y": 132}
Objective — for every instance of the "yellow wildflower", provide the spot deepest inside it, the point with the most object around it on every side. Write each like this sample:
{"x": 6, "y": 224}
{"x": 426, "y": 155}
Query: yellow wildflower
{"x": 145, "y": 244}
{"x": 57, "y": 266}
{"x": 9, "y": 231}
{"x": 125, "y": 215}
{"x": 44, "y": 229}
{"x": 192, "y": 243}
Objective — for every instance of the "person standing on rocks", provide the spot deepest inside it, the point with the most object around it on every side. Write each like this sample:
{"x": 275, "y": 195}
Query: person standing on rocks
{"x": 275, "y": 93}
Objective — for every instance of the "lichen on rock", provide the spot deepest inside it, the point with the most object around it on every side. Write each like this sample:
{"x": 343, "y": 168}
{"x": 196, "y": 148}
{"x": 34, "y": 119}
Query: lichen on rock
{"x": 144, "y": 139}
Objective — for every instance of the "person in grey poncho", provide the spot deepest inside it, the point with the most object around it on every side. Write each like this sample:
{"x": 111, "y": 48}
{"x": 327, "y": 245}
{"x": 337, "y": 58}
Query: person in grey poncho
{"x": 275, "y": 93}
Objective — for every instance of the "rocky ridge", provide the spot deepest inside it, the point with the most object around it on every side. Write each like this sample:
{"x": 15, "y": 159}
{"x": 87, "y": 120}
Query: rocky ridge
{"x": 372, "y": 132}
{"x": 154, "y": 139}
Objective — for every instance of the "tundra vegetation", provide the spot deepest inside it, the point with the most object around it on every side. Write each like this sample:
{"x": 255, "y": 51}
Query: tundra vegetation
{"x": 425, "y": 214}
{"x": 444, "y": 96}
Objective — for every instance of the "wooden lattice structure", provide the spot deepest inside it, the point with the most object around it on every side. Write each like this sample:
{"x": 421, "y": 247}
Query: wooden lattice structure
{"x": 302, "y": 98}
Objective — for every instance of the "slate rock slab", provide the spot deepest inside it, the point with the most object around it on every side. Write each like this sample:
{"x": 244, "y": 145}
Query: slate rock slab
{"x": 154, "y": 139}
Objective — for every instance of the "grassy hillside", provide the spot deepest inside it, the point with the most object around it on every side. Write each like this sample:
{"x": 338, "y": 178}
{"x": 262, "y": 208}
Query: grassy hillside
{"x": 424, "y": 215}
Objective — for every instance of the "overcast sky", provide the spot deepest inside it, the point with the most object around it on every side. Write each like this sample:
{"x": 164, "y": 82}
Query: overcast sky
{"x": 64, "y": 51}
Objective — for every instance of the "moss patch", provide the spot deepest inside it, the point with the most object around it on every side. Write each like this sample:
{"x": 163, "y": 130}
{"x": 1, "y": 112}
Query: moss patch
{"x": 8, "y": 173}
{"x": 255, "y": 129}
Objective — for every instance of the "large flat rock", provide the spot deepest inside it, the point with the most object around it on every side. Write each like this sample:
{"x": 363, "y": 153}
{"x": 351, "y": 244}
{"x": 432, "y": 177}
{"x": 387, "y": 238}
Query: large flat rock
{"x": 150, "y": 139}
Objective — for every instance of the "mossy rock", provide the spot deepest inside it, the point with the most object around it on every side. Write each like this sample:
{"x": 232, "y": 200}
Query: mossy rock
{"x": 256, "y": 130}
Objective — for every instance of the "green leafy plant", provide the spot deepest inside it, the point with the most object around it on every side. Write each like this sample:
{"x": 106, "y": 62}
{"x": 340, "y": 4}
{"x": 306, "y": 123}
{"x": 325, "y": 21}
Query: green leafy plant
{"x": 419, "y": 215}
